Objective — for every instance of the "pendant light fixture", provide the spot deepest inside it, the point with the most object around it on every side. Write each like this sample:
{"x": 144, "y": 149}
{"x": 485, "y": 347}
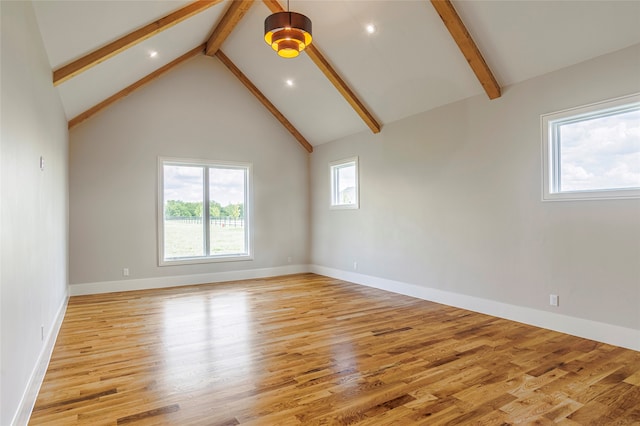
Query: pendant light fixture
{"x": 288, "y": 33}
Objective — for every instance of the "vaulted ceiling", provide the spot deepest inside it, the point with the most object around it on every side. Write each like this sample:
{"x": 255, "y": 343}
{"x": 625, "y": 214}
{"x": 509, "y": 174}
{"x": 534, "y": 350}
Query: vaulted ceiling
{"x": 423, "y": 54}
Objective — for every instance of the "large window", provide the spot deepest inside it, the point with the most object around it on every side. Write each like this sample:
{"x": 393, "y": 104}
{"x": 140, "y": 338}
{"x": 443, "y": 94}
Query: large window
{"x": 344, "y": 184}
{"x": 203, "y": 211}
{"x": 592, "y": 152}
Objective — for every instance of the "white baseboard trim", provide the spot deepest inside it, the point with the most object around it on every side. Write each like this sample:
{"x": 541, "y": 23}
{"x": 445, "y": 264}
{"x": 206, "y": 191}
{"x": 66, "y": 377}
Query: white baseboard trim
{"x": 182, "y": 280}
{"x": 601, "y": 332}
{"x": 28, "y": 400}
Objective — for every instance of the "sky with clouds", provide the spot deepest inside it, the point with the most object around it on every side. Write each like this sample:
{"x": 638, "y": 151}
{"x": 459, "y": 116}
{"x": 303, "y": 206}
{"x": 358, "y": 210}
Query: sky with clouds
{"x": 185, "y": 183}
{"x": 601, "y": 153}
{"x": 346, "y": 178}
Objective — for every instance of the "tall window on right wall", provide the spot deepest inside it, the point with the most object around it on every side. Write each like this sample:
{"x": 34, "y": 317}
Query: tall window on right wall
{"x": 592, "y": 152}
{"x": 344, "y": 184}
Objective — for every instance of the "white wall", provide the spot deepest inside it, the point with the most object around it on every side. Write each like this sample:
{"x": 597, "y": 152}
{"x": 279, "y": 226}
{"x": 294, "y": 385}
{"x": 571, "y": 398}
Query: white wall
{"x": 451, "y": 201}
{"x": 33, "y": 261}
{"x": 198, "y": 110}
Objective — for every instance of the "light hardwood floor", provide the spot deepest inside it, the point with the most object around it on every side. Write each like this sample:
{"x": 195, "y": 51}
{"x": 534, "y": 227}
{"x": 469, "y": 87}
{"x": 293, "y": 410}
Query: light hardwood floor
{"x": 307, "y": 349}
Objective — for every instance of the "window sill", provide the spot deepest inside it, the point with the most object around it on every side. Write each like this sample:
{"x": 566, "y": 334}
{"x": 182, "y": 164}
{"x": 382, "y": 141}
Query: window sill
{"x": 614, "y": 194}
{"x": 211, "y": 259}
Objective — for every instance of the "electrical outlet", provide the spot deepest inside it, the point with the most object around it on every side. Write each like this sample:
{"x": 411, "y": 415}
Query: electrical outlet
{"x": 553, "y": 300}
{"x": 125, "y": 272}
{"x": 355, "y": 266}
{"x": 289, "y": 259}
{"x": 42, "y": 332}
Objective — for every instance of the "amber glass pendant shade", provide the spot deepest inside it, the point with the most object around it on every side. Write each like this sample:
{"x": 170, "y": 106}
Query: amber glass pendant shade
{"x": 288, "y": 33}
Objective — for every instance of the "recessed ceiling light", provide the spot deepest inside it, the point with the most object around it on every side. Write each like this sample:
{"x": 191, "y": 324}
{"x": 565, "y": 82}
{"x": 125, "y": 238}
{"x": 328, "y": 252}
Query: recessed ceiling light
{"x": 371, "y": 28}
{"x": 289, "y": 82}
{"x": 153, "y": 54}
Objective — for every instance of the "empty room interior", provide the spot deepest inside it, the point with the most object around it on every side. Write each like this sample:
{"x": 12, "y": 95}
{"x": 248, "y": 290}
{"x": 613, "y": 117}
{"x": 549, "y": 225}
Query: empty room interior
{"x": 364, "y": 212}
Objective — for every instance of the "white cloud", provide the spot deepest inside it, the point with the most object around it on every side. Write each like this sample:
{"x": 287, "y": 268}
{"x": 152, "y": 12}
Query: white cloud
{"x": 183, "y": 183}
{"x": 601, "y": 153}
{"x": 227, "y": 186}
{"x": 186, "y": 182}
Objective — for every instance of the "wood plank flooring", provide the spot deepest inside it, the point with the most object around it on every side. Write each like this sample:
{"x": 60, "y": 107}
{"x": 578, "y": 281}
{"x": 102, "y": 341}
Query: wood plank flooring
{"x": 307, "y": 349}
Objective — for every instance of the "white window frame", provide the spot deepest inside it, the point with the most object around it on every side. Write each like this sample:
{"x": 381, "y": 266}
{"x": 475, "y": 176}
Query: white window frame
{"x": 551, "y": 149}
{"x": 162, "y": 161}
{"x": 334, "y": 167}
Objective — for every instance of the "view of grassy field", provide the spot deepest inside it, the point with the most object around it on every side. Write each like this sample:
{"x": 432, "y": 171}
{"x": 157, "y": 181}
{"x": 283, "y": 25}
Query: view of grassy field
{"x": 182, "y": 239}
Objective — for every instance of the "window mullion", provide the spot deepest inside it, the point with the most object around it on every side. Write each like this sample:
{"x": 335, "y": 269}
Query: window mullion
{"x": 555, "y": 146}
{"x": 206, "y": 220}
{"x": 334, "y": 186}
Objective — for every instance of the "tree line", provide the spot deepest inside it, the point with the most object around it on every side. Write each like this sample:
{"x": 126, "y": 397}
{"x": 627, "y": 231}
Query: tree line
{"x": 179, "y": 208}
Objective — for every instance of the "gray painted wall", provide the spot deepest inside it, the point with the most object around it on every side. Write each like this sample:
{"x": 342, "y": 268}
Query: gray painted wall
{"x": 33, "y": 206}
{"x": 451, "y": 199}
{"x": 199, "y": 110}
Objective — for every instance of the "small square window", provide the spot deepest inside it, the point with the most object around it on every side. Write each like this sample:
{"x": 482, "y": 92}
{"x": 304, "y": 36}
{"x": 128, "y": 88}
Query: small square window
{"x": 344, "y": 184}
{"x": 592, "y": 152}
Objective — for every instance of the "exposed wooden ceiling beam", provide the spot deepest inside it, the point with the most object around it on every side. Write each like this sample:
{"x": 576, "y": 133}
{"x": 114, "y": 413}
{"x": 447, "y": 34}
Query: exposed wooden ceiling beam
{"x": 233, "y": 15}
{"x": 468, "y": 47}
{"x": 127, "y": 90}
{"x": 335, "y": 79}
{"x": 102, "y": 54}
{"x": 263, "y": 99}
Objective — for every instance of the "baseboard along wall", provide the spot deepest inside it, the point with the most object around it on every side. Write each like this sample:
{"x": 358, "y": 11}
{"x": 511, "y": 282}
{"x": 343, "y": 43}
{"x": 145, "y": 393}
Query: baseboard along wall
{"x": 28, "y": 400}
{"x": 607, "y": 333}
{"x": 182, "y": 280}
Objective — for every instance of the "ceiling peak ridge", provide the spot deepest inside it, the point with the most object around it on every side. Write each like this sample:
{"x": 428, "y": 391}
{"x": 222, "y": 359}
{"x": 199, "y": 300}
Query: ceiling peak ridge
{"x": 323, "y": 64}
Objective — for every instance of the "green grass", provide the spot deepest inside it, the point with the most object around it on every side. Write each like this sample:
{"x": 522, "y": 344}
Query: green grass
{"x": 185, "y": 239}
